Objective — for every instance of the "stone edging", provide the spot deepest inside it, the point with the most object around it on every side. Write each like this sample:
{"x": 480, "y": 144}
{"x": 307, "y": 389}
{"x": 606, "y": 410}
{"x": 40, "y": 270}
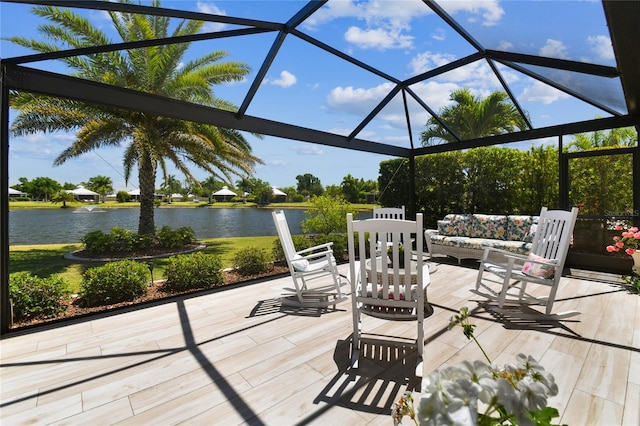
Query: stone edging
{"x": 72, "y": 256}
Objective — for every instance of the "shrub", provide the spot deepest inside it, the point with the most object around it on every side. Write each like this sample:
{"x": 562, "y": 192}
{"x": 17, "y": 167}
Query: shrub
{"x": 252, "y": 261}
{"x": 304, "y": 242}
{"x": 122, "y": 239}
{"x": 35, "y": 297}
{"x": 114, "y": 282}
{"x": 97, "y": 242}
{"x": 326, "y": 215}
{"x": 123, "y": 197}
{"x": 300, "y": 243}
{"x": 192, "y": 271}
{"x": 175, "y": 239}
{"x": 339, "y": 246}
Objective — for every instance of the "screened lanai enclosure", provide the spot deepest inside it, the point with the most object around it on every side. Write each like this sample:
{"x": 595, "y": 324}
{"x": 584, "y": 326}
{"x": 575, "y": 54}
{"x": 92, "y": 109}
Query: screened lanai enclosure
{"x": 370, "y": 75}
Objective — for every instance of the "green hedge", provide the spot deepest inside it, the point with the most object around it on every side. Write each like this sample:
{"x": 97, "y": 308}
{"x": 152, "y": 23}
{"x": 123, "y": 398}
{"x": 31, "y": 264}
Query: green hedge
{"x": 34, "y": 297}
{"x": 193, "y": 271}
{"x": 252, "y": 261}
{"x": 114, "y": 282}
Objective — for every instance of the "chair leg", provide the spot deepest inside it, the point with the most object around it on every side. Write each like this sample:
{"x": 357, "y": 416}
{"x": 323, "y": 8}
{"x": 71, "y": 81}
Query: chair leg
{"x": 552, "y": 295}
{"x": 480, "y": 272}
{"x": 505, "y": 284}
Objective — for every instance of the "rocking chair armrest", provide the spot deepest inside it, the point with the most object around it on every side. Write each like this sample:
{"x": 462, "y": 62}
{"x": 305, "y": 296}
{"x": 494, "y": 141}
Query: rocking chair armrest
{"x": 508, "y": 255}
{"x": 326, "y": 246}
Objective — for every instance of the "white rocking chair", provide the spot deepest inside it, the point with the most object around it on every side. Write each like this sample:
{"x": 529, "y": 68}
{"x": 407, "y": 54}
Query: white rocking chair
{"x": 388, "y": 291}
{"x": 315, "y": 274}
{"x": 543, "y": 266}
{"x": 387, "y": 213}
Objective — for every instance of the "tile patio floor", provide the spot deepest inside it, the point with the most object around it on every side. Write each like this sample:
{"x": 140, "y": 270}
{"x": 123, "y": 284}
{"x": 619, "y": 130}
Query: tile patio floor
{"x": 239, "y": 357}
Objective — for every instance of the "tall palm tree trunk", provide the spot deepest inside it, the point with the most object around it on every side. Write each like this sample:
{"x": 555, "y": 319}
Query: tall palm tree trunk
{"x": 147, "y": 180}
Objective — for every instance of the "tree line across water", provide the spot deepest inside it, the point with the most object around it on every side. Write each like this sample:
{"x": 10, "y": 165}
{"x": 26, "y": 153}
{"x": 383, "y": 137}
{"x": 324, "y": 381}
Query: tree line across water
{"x": 351, "y": 189}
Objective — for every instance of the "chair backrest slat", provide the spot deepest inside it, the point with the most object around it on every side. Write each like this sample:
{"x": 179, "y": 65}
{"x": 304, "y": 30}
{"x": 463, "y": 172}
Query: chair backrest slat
{"x": 284, "y": 234}
{"x": 553, "y": 234}
{"x": 380, "y": 280}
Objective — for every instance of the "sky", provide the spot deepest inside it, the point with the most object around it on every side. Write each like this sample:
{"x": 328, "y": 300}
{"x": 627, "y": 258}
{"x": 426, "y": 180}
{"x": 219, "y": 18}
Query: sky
{"x": 309, "y": 87}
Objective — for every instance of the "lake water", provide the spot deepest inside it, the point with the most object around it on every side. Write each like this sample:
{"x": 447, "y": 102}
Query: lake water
{"x": 52, "y": 226}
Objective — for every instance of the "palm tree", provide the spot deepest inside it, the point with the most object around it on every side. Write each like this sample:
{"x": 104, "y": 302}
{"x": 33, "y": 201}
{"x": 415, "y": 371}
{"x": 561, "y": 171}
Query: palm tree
{"x": 171, "y": 186}
{"x": 472, "y": 118}
{"x": 150, "y": 141}
{"x": 100, "y": 184}
{"x": 63, "y": 197}
{"x": 623, "y": 137}
{"x": 209, "y": 186}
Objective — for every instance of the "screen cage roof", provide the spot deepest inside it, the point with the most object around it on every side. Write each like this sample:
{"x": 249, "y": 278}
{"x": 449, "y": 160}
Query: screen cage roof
{"x": 374, "y": 72}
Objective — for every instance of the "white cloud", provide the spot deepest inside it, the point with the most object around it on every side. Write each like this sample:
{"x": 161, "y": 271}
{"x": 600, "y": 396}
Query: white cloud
{"x": 273, "y": 162}
{"x": 439, "y": 34}
{"x": 379, "y": 38}
{"x": 426, "y": 61}
{"x": 286, "y": 80}
{"x": 307, "y": 149}
{"x": 434, "y": 94}
{"x": 554, "y": 49}
{"x": 601, "y": 46}
{"x": 542, "y": 93}
{"x": 489, "y": 10}
{"x": 212, "y": 9}
{"x": 358, "y": 101}
{"x": 505, "y": 45}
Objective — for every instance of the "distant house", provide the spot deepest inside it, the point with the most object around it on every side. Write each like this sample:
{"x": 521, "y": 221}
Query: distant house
{"x": 14, "y": 193}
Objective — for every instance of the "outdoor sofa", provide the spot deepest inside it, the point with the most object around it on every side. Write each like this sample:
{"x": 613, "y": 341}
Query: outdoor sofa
{"x": 464, "y": 236}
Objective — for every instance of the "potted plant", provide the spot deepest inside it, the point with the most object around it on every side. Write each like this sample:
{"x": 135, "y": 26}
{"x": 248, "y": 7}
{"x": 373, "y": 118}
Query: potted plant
{"x": 400, "y": 255}
{"x": 629, "y": 242}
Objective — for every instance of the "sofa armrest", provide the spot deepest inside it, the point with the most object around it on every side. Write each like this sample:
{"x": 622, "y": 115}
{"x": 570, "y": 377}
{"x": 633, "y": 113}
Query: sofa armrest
{"x": 427, "y": 236}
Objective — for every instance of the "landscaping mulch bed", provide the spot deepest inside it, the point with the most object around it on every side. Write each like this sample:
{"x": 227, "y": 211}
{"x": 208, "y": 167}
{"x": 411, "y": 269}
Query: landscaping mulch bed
{"x": 154, "y": 293}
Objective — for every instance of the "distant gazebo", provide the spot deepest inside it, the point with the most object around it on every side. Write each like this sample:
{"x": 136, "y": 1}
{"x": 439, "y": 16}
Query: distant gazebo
{"x": 224, "y": 194}
{"x": 83, "y": 194}
{"x": 279, "y": 195}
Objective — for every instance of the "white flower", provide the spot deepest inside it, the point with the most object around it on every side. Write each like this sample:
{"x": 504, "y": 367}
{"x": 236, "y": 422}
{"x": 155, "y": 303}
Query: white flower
{"x": 532, "y": 395}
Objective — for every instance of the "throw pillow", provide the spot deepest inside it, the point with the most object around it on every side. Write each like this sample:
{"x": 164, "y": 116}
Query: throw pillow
{"x": 539, "y": 270}
{"x": 299, "y": 264}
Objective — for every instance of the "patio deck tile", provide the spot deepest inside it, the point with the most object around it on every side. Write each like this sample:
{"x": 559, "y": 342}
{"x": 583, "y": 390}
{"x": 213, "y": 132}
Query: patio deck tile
{"x": 238, "y": 356}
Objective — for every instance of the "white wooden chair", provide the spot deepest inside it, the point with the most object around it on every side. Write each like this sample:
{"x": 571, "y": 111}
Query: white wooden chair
{"x": 543, "y": 266}
{"x": 387, "y": 213}
{"x": 315, "y": 274}
{"x": 382, "y": 290}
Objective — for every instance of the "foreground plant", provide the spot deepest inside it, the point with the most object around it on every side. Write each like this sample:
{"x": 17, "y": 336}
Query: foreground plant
{"x": 507, "y": 394}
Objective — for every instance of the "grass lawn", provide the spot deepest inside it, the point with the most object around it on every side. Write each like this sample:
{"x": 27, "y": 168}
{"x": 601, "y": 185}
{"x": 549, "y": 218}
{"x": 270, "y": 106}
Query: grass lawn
{"x": 17, "y": 205}
{"x": 45, "y": 260}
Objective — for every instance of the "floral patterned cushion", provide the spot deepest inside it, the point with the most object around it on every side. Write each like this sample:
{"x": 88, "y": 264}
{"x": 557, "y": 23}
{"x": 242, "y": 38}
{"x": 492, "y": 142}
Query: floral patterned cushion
{"x": 455, "y": 224}
{"x": 445, "y": 227}
{"x": 534, "y": 268}
{"x": 532, "y": 229}
{"x": 518, "y": 227}
{"x": 519, "y": 247}
{"x": 489, "y": 226}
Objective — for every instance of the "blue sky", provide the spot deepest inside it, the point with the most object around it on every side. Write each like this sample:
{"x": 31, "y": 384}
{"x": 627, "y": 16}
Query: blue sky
{"x": 309, "y": 87}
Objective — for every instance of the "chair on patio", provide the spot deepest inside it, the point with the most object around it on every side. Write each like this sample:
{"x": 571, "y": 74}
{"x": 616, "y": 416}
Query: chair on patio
{"x": 392, "y": 291}
{"x": 314, "y": 271}
{"x": 387, "y": 213}
{"x": 543, "y": 266}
